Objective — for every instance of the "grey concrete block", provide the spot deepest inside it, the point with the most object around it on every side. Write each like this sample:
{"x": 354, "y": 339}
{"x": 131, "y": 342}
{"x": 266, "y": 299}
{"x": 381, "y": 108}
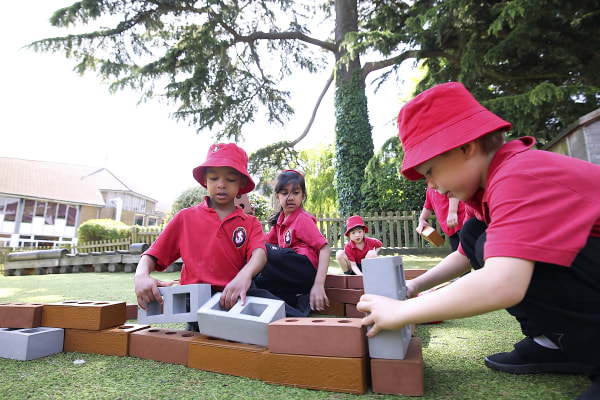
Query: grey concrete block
{"x": 31, "y": 343}
{"x": 174, "y": 307}
{"x": 384, "y": 276}
{"x": 246, "y": 324}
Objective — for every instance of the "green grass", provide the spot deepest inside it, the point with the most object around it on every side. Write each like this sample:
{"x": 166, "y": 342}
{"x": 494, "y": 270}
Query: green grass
{"x": 453, "y": 353}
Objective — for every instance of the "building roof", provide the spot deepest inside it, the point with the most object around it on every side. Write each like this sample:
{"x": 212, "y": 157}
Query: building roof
{"x": 57, "y": 181}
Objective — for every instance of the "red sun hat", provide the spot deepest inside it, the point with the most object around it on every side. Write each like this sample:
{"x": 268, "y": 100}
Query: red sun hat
{"x": 353, "y": 222}
{"x": 226, "y": 155}
{"x": 441, "y": 119}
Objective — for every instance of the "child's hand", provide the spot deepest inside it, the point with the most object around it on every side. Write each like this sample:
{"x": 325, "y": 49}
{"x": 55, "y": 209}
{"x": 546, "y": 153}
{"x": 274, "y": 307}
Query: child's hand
{"x": 422, "y": 225}
{"x": 383, "y": 313}
{"x": 235, "y": 289}
{"x": 452, "y": 220}
{"x": 146, "y": 290}
{"x": 411, "y": 289}
{"x": 318, "y": 298}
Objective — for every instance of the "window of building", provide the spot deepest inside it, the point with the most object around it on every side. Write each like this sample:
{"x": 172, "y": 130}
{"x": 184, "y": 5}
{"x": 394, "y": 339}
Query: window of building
{"x": 62, "y": 211}
{"x": 50, "y": 213}
{"x": 11, "y": 205}
{"x": 40, "y": 208}
{"x": 28, "y": 211}
{"x": 152, "y": 221}
{"x": 72, "y": 216}
{"x": 139, "y": 220}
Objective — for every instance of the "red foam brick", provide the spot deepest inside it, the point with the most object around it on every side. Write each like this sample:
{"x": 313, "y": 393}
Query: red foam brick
{"x": 349, "y": 296}
{"x": 20, "y": 315}
{"x": 413, "y": 272}
{"x": 335, "y": 308}
{"x": 131, "y": 311}
{"x": 91, "y": 315}
{"x": 333, "y": 337}
{"x": 225, "y": 357}
{"x": 111, "y": 342}
{"x": 352, "y": 312}
{"x": 404, "y": 377}
{"x": 165, "y": 345}
{"x": 355, "y": 282}
{"x": 336, "y": 374}
{"x": 336, "y": 281}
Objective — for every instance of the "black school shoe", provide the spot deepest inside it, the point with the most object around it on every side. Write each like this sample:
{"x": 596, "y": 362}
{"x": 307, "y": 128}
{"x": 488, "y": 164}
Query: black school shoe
{"x": 528, "y": 357}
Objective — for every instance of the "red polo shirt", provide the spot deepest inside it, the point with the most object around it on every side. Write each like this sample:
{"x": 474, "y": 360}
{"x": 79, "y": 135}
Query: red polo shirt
{"x": 357, "y": 255}
{"x": 213, "y": 251}
{"x": 440, "y": 205}
{"x": 300, "y": 232}
{"x": 539, "y": 205}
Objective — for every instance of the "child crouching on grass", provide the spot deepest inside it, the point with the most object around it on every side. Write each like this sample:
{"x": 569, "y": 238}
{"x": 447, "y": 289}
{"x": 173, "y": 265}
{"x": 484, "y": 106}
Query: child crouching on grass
{"x": 536, "y": 249}
{"x": 358, "y": 248}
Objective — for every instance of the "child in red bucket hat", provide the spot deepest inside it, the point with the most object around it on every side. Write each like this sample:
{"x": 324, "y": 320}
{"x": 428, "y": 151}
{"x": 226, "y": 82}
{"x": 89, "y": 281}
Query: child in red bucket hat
{"x": 535, "y": 244}
{"x": 358, "y": 248}
{"x": 218, "y": 242}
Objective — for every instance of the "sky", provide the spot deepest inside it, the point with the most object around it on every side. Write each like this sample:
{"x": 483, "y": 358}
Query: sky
{"x": 50, "y": 113}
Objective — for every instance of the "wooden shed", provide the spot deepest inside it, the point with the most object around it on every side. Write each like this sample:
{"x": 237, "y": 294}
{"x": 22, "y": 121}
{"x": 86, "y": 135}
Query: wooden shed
{"x": 580, "y": 140}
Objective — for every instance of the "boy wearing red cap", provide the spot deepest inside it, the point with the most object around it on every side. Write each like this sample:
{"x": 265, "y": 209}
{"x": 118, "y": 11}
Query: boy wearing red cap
{"x": 358, "y": 248}
{"x": 450, "y": 213}
{"x": 218, "y": 242}
{"x": 535, "y": 244}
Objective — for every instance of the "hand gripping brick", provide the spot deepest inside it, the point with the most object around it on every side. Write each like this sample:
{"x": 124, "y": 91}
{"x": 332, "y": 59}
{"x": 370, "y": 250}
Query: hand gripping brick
{"x": 245, "y": 324}
{"x": 384, "y": 276}
{"x": 180, "y": 304}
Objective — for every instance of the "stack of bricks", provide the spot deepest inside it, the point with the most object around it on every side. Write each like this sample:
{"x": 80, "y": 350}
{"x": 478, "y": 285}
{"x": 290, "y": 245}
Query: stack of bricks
{"x": 254, "y": 341}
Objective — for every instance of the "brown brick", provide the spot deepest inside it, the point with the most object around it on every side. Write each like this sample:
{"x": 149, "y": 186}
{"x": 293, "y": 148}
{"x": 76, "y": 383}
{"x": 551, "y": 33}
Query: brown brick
{"x": 336, "y": 281}
{"x": 336, "y": 374}
{"x": 111, "y": 341}
{"x": 20, "y": 315}
{"x": 165, "y": 345}
{"x": 225, "y": 357}
{"x": 349, "y": 296}
{"x": 403, "y": 377}
{"x": 333, "y": 337}
{"x": 91, "y": 315}
{"x": 131, "y": 311}
{"x": 352, "y": 312}
{"x": 355, "y": 282}
{"x": 335, "y": 308}
{"x": 412, "y": 273}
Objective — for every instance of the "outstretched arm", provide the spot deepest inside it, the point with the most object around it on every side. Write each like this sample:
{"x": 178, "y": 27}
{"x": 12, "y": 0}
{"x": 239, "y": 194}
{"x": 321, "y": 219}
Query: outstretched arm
{"x": 146, "y": 287}
{"x": 318, "y": 298}
{"x": 239, "y": 285}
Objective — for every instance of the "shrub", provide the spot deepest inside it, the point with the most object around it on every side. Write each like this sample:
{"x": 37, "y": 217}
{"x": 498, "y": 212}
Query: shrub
{"x": 103, "y": 229}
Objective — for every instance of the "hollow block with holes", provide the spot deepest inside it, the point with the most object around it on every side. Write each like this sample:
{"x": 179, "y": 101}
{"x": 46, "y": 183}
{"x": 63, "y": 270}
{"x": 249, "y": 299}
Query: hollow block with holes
{"x": 245, "y": 324}
{"x": 225, "y": 357}
{"x": 111, "y": 341}
{"x": 165, "y": 345}
{"x": 20, "y": 315}
{"x": 384, "y": 276}
{"x": 30, "y": 343}
{"x": 91, "y": 315}
{"x": 180, "y": 304}
{"x": 333, "y": 337}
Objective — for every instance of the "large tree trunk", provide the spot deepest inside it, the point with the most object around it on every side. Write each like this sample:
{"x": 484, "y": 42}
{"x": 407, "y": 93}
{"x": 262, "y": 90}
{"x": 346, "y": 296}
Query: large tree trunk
{"x": 354, "y": 142}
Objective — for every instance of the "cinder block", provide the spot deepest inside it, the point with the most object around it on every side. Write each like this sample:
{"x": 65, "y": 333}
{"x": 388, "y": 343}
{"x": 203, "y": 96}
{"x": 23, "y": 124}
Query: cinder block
{"x": 20, "y": 315}
{"x": 335, "y": 308}
{"x": 225, "y": 357}
{"x": 245, "y": 324}
{"x": 336, "y": 374}
{"x": 405, "y": 377}
{"x": 348, "y": 296}
{"x": 91, "y": 315}
{"x": 165, "y": 345}
{"x": 111, "y": 341}
{"x": 332, "y": 337}
{"x": 336, "y": 281}
{"x": 384, "y": 276}
{"x": 412, "y": 273}
{"x": 355, "y": 282}
{"x": 175, "y": 306}
{"x": 30, "y": 343}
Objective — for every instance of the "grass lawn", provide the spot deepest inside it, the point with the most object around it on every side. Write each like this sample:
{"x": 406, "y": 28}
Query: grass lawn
{"x": 453, "y": 353}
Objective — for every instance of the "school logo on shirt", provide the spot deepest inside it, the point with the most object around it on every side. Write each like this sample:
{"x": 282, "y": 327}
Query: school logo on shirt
{"x": 287, "y": 238}
{"x": 239, "y": 236}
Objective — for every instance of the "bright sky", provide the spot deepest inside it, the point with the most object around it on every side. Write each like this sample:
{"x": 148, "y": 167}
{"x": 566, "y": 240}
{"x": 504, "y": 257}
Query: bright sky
{"x": 49, "y": 113}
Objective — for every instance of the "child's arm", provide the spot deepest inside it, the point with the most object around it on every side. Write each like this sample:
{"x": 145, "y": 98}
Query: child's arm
{"x": 452, "y": 219}
{"x": 239, "y": 285}
{"x": 453, "y": 265}
{"x": 318, "y": 298}
{"x": 501, "y": 283}
{"x": 425, "y": 213}
{"x": 355, "y": 268}
{"x": 146, "y": 287}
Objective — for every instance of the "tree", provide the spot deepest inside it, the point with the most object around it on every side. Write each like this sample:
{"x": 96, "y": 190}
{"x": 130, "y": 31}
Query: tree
{"x": 319, "y": 172}
{"x": 222, "y": 64}
{"x": 533, "y": 62}
{"x": 188, "y": 198}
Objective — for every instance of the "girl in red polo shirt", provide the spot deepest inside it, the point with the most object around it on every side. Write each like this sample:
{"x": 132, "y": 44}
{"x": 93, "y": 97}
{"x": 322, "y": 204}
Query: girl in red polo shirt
{"x": 297, "y": 252}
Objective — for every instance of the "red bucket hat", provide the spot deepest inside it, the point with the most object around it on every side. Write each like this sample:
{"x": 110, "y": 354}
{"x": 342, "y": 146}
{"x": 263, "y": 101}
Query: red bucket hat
{"x": 441, "y": 119}
{"x": 226, "y": 155}
{"x": 353, "y": 222}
